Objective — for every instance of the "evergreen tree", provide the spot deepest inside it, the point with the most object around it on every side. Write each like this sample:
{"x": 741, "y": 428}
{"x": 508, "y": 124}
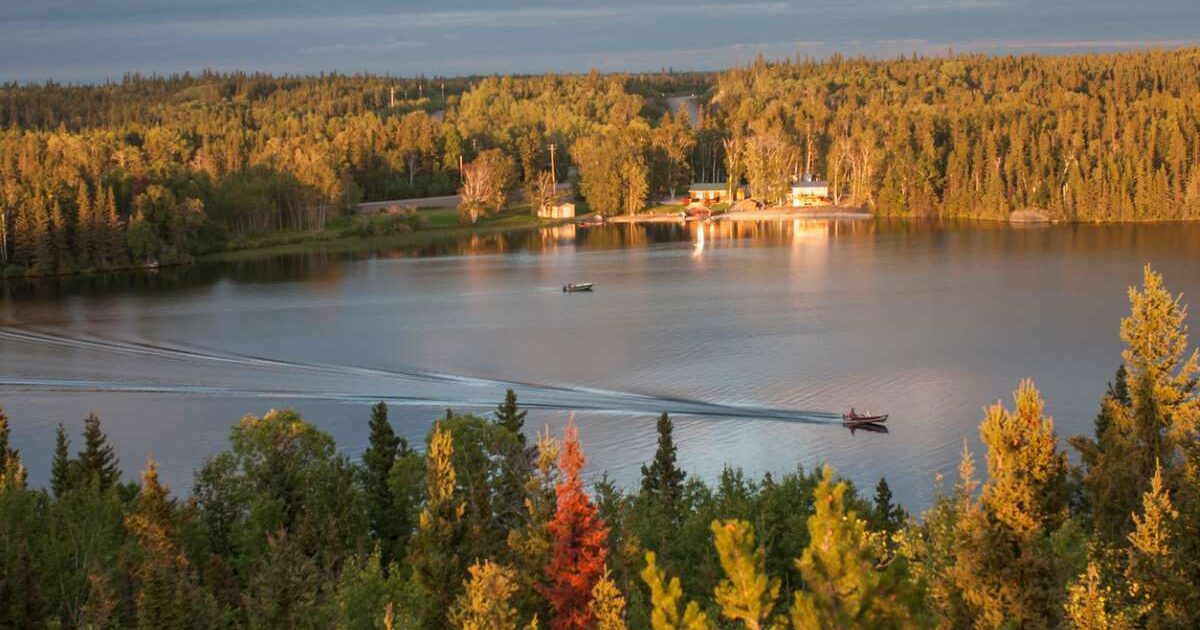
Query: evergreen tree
{"x": 662, "y": 480}
{"x": 579, "y": 543}
{"x": 1160, "y": 414}
{"x": 844, "y": 588}
{"x": 485, "y": 603}
{"x": 509, "y": 416}
{"x": 436, "y": 554}
{"x": 1003, "y": 568}
{"x": 1161, "y": 594}
{"x": 746, "y": 594}
{"x": 168, "y": 594}
{"x": 886, "y": 515}
{"x": 61, "y": 472}
{"x": 1090, "y": 604}
{"x": 378, "y": 460}
{"x": 97, "y": 461}
{"x": 12, "y": 472}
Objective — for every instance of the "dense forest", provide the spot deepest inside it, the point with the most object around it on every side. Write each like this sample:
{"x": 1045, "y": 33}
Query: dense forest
{"x": 155, "y": 170}
{"x": 486, "y": 528}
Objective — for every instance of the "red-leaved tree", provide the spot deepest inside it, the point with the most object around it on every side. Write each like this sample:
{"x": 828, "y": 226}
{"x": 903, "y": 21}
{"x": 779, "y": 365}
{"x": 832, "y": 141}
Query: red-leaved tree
{"x": 578, "y": 543}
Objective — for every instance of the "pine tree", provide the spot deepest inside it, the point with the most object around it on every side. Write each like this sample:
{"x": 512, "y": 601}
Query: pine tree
{"x": 509, "y": 416}
{"x": 435, "y": 553}
{"x": 1160, "y": 590}
{"x": 579, "y": 543}
{"x": 665, "y": 599}
{"x": 61, "y": 468}
{"x": 843, "y": 587}
{"x": 1157, "y": 421}
{"x": 747, "y": 594}
{"x": 608, "y": 605}
{"x": 378, "y": 460}
{"x": 97, "y": 460}
{"x": 662, "y": 479}
{"x": 1001, "y": 567}
{"x": 485, "y": 603}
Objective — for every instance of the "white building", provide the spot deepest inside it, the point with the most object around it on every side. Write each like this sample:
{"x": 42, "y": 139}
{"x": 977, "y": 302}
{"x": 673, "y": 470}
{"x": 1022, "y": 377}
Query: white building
{"x": 809, "y": 192}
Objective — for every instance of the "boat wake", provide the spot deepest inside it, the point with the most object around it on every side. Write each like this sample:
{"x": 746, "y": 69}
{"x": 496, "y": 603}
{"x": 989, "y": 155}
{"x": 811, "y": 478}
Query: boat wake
{"x": 311, "y": 381}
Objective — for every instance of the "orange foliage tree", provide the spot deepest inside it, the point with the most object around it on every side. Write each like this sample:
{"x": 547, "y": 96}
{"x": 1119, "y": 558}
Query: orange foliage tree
{"x": 579, "y": 542}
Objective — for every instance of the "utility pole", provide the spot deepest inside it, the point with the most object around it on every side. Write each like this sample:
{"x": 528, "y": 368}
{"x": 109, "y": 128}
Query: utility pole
{"x": 392, "y": 99}
{"x": 553, "y": 174}
{"x": 443, "y": 90}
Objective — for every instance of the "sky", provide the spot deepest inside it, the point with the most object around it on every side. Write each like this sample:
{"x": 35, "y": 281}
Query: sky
{"x": 94, "y": 40}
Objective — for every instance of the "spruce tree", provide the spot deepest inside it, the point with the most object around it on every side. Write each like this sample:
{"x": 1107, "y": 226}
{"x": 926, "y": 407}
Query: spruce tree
{"x": 662, "y": 479}
{"x": 378, "y": 460}
{"x": 886, "y": 515}
{"x": 61, "y": 467}
{"x": 509, "y": 416}
{"x": 97, "y": 461}
{"x": 168, "y": 595}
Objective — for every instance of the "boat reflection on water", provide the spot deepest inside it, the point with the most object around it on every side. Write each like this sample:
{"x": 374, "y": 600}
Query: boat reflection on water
{"x": 870, "y": 428}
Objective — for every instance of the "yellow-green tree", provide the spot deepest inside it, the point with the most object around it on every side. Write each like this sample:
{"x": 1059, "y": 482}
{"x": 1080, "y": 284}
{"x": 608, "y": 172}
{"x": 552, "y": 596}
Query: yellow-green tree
{"x": 844, "y": 585}
{"x": 486, "y": 600}
{"x": 1159, "y": 591}
{"x": 1092, "y": 605}
{"x": 435, "y": 556}
{"x": 1004, "y": 563}
{"x": 608, "y": 604}
{"x": 747, "y": 594}
{"x": 1156, "y": 422}
{"x": 665, "y": 599}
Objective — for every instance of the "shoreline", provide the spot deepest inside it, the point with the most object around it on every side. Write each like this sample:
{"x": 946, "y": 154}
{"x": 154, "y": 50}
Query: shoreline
{"x": 328, "y": 242}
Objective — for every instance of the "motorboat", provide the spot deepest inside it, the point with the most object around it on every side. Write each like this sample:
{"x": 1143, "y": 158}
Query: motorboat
{"x": 577, "y": 288}
{"x": 857, "y": 418}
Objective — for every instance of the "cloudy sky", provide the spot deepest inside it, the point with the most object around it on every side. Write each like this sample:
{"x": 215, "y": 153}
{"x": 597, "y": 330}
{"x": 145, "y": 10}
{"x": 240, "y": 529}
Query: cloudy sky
{"x": 91, "y": 40}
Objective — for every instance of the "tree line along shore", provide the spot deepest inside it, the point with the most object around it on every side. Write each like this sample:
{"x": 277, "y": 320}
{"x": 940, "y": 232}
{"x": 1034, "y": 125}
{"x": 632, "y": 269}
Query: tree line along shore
{"x": 489, "y": 529}
{"x": 158, "y": 170}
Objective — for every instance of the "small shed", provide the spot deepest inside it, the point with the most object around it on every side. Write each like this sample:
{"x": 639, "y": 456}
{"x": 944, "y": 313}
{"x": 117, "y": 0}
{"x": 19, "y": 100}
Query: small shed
{"x": 565, "y": 210}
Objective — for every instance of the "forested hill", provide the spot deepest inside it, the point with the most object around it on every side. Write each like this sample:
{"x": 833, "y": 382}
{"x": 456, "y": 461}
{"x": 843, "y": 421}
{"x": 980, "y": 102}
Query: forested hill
{"x": 157, "y": 169}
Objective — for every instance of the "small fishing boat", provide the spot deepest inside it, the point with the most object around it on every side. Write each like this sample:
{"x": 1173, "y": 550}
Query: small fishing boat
{"x": 577, "y": 288}
{"x": 863, "y": 418}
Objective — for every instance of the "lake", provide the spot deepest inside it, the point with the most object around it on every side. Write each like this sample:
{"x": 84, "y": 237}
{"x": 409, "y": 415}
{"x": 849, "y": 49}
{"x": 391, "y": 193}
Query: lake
{"x": 753, "y": 335}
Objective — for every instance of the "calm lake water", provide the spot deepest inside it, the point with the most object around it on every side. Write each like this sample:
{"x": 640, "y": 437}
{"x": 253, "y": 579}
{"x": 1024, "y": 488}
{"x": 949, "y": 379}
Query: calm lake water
{"x": 753, "y": 335}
